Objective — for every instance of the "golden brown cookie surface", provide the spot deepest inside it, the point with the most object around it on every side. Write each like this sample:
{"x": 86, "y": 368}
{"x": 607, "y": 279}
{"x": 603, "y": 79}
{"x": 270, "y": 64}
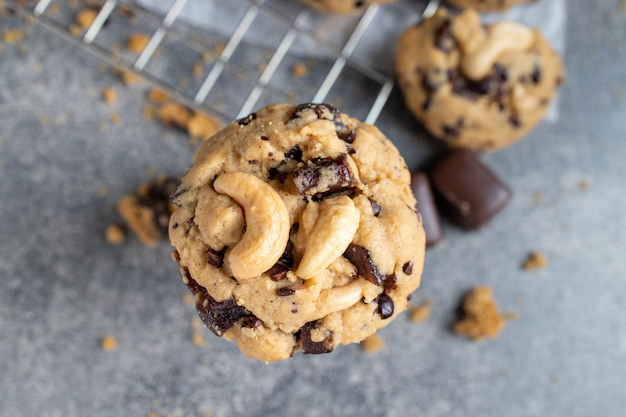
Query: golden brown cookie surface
{"x": 475, "y": 86}
{"x": 487, "y": 5}
{"x": 296, "y": 229}
{"x": 343, "y": 6}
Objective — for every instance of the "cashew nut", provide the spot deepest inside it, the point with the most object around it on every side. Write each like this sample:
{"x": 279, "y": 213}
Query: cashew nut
{"x": 501, "y": 37}
{"x": 333, "y": 231}
{"x": 339, "y": 298}
{"x": 267, "y": 224}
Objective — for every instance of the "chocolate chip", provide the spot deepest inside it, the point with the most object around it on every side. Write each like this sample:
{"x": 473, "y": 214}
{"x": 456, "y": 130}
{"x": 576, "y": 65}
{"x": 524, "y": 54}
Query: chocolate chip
{"x": 287, "y": 257}
{"x": 467, "y": 190}
{"x": 358, "y": 4}
{"x": 515, "y": 121}
{"x": 263, "y": 137}
{"x": 407, "y": 268}
{"x": 453, "y": 131}
{"x": 218, "y": 316}
{"x": 376, "y": 208}
{"x": 361, "y": 258}
{"x": 216, "y": 258}
{"x": 385, "y": 306}
{"x": 443, "y": 37}
{"x": 347, "y": 136}
{"x": 311, "y": 347}
{"x": 420, "y": 185}
{"x": 294, "y": 153}
{"x": 278, "y": 272}
{"x": 323, "y": 176}
{"x": 535, "y": 76}
{"x": 285, "y": 292}
{"x": 246, "y": 120}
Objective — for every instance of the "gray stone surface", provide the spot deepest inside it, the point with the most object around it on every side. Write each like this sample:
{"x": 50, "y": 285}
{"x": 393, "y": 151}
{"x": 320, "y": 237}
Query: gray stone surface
{"x": 63, "y": 165}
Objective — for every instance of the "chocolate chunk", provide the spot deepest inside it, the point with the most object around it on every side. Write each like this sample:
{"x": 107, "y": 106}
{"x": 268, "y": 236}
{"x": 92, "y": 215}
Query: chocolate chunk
{"x": 376, "y": 208}
{"x": 347, "y": 136}
{"x": 311, "y": 347}
{"x": 467, "y": 190}
{"x": 322, "y": 111}
{"x": 407, "y": 268}
{"x": 266, "y": 138}
{"x": 246, "y": 120}
{"x": 218, "y": 316}
{"x": 385, "y": 306}
{"x": 450, "y": 132}
{"x": 294, "y": 153}
{"x": 420, "y": 185}
{"x": 278, "y": 272}
{"x": 323, "y": 176}
{"x": 443, "y": 37}
{"x": 285, "y": 292}
{"x": 216, "y": 258}
{"x": 536, "y": 74}
{"x": 390, "y": 283}
{"x": 365, "y": 267}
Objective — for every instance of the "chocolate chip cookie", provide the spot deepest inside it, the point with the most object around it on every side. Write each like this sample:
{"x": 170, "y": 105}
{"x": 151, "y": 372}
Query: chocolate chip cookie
{"x": 342, "y": 6}
{"x": 296, "y": 229}
{"x": 487, "y": 5}
{"x": 475, "y": 86}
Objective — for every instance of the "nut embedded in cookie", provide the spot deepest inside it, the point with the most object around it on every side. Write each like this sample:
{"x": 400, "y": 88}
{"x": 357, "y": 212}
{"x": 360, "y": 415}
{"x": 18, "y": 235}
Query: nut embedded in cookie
{"x": 296, "y": 229}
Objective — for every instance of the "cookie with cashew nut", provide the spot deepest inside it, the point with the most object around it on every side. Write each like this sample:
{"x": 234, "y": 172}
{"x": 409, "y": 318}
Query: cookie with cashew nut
{"x": 296, "y": 230}
{"x": 475, "y": 86}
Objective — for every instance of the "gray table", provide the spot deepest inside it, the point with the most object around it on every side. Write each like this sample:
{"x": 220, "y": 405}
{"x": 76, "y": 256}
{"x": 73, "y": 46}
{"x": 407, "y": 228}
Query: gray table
{"x": 63, "y": 165}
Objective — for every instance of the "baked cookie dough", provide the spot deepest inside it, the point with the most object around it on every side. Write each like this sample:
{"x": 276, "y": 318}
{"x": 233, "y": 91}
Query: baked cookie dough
{"x": 474, "y": 86}
{"x": 343, "y": 6}
{"x": 296, "y": 229}
{"x": 487, "y": 5}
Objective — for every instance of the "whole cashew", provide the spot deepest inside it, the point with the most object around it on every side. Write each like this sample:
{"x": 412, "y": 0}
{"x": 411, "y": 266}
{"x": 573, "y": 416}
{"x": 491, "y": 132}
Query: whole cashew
{"x": 501, "y": 37}
{"x": 333, "y": 231}
{"x": 339, "y": 298}
{"x": 267, "y": 224}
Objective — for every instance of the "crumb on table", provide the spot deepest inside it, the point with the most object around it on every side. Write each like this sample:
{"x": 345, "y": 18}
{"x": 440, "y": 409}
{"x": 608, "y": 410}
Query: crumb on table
{"x": 299, "y": 70}
{"x": 109, "y": 95}
{"x": 115, "y": 234}
{"x": 535, "y": 260}
{"x": 137, "y": 42}
{"x": 372, "y": 343}
{"x": 108, "y": 342}
{"x": 85, "y": 18}
{"x": 421, "y": 312}
{"x": 480, "y": 316}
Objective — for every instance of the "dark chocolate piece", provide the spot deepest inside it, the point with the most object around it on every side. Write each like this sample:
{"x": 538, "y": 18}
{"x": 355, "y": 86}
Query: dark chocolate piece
{"x": 467, "y": 190}
{"x": 278, "y": 272}
{"x": 427, "y": 208}
{"x": 285, "y": 292}
{"x": 407, "y": 268}
{"x": 376, "y": 208}
{"x": 215, "y": 258}
{"x": 246, "y": 120}
{"x": 311, "y": 347}
{"x": 385, "y": 306}
{"x": 323, "y": 176}
{"x": 365, "y": 267}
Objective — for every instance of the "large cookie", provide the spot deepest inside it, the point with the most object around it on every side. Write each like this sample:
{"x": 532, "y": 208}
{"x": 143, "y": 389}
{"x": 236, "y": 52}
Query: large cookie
{"x": 475, "y": 86}
{"x": 296, "y": 229}
{"x": 342, "y": 6}
{"x": 487, "y": 5}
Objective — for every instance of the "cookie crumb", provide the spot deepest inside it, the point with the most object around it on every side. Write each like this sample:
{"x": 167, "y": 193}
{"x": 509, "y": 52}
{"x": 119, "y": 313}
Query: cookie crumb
{"x": 115, "y": 234}
{"x": 480, "y": 316}
{"x": 534, "y": 260}
{"x": 85, "y": 18}
{"x": 13, "y": 36}
{"x": 115, "y": 118}
{"x": 108, "y": 342}
{"x": 372, "y": 343}
{"x": 421, "y": 312}
{"x": 128, "y": 77}
{"x": 158, "y": 96}
{"x": 188, "y": 298}
{"x": 201, "y": 127}
{"x": 584, "y": 184}
{"x": 109, "y": 95}
{"x": 198, "y": 68}
{"x": 174, "y": 114}
{"x": 299, "y": 70}
{"x": 136, "y": 42}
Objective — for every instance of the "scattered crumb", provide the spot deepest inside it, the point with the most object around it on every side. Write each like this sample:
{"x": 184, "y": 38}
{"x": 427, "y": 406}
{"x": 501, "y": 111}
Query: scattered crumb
{"x": 537, "y": 197}
{"x": 188, "y": 298}
{"x": 622, "y": 7}
{"x": 158, "y": 96}
{"x": 299, "y": 70}
{"x": 198, "y": 125}
{"x": 480, "y": 315}
{"x": 372, "y": 344}
{"x": 421, "y": 312}
{"x": 115, "y": 234}
{"x": 147, "y": 212}
{"x": 197, "y": 338}
{"x": 53, "y": 10}
{"x": 12, "y": 36}
{"x": 207, "y": 57}
{"x": 201, "y": 127}
{"x": 102, "y": 191}
{"x": 109, "y": 95}
{"x": 115, "y": 118}
{"x": 75, "y": 30}
{"x": 261, "y": 67}
{"x": 108, "y": 342}
{"x": 584, "y": 184}
{"x": 174, "y": 114}
{"x": 128, "y": 77}
{"x": 510, "y": 316}
{"x": 152, "y": 414}
{"x": 198, "y": 68}
{"x": 136, "y": 42}
{"x": 85, "y": 18}
{"x": 534, "y": 260}
{"x": 218, "y": 48}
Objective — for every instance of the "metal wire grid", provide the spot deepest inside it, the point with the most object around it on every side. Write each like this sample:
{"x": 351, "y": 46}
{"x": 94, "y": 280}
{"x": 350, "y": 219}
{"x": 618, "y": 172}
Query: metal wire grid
{"x": 199, "y": 98}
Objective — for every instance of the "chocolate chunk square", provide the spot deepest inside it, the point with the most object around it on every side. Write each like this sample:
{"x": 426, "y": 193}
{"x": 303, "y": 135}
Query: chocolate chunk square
{"x": 420, "y": 184}
{"x": 467, "y": 190}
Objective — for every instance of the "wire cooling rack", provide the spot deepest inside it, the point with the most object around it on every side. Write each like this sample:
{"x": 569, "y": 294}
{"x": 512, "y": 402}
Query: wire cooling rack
{"x": 271, "y": 51}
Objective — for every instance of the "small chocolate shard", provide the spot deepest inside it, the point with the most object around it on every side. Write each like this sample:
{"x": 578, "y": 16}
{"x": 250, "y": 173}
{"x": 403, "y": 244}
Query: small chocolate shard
{"x": 361, "y": 258}
{"x": 323, "y": 176}
{"x": 376, "y": 208}
{"x": 385, "y": 306}
{"x": 407, "y": 268}
{"x": 216, "y": 258}
{"x": 311, "y": 347}
{"x": 347, "y": 136}
{"x": 244, "y": 121}
{"x": 285, "y": 292}
{"x": 278, "y": 272}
